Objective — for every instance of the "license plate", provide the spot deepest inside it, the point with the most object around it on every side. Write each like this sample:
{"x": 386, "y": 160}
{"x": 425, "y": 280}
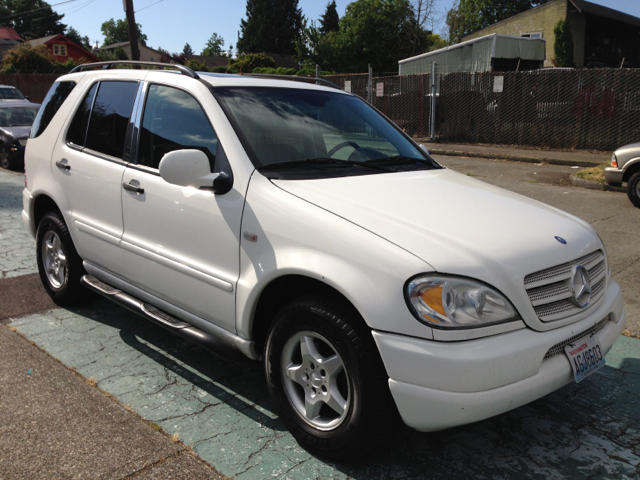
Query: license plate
{"x": 585, "y": 356}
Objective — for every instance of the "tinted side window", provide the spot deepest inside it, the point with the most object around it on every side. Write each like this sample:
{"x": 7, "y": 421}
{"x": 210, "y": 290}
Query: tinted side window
{"x": 58, "y": 93}
{"x": 110, "y": 117}
{"x": 78, "y": 130}
{"x": 172, "y": 120}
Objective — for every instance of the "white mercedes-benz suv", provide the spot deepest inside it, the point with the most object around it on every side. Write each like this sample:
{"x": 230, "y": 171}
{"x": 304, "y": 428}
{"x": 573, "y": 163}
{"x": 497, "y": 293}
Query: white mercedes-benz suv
{"x": 293, "y": 223}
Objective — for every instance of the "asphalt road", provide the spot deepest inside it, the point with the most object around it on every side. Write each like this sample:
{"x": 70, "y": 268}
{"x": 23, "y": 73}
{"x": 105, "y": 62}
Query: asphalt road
{"x": 222, "y": 409}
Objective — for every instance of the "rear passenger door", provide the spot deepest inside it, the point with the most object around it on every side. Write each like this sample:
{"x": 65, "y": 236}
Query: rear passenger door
{"x": 88, "y": 163}
{"x": 180, "y": 243}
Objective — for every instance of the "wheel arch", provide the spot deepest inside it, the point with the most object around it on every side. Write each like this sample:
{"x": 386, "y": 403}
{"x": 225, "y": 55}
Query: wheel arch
{"x": 632, "y": 169}
{"x": 42, "y": 205}
{"x": 281, "y": 291}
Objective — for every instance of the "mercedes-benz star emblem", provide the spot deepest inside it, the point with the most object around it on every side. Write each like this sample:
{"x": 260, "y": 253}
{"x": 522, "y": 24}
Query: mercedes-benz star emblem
{"x": 581, "y": 286}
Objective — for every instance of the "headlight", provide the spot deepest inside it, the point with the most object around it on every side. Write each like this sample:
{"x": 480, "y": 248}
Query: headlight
{"x": 450, "y": 302}
{"x": 614, "y": 160}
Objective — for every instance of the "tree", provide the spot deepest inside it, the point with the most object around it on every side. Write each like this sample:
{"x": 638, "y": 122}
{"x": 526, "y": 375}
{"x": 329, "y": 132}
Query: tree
{"x": 74, "y": 35}
{"x": 563, "y": 44}
{"x": 379, "y": 32}
{"x": 30, "y": 18}
{"x": 314, "y": 48}
{"x": 116, "y": 32}
{"x": 467, "y": 16}
{"x": 187, "y": 50}
{"x": 271, "y": 26}
{"x": 330, "y": 21}
{"x": 214, "y": 46}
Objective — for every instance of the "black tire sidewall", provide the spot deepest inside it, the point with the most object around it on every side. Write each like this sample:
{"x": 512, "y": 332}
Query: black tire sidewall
{"x": 72, "y": 291}
{"x": 352, "y": 435}
{"x": 632, "y": 187}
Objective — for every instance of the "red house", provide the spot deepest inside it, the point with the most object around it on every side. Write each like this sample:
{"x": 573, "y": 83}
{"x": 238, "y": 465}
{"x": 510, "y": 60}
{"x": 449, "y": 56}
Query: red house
{"x": 62, "y": 48}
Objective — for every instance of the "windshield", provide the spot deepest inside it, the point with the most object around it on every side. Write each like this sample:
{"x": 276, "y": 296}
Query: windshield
{"x": 17, "y": 116}
{"x": 295, "y": 125}
{"x": 10, "y": 94}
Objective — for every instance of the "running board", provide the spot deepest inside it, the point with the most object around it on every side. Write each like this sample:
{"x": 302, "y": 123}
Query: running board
{"x": 163, "y": 319}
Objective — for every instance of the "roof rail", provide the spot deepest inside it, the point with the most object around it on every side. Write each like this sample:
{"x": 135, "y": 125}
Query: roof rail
{"x": 294, "y": 78}
{"x": 107, "y": 65}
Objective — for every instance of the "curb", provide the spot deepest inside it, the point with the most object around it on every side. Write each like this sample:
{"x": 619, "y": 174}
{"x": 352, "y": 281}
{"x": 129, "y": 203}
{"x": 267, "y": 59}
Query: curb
{"x": 513, "y": 158}
{"x": 581, "y": 182}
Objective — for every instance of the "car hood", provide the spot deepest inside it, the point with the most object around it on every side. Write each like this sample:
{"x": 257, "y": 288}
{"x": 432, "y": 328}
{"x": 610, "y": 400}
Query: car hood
{"x": 627, "y": 152}
{"x": 456, "y": 224}
{"x": 18, "y": 132}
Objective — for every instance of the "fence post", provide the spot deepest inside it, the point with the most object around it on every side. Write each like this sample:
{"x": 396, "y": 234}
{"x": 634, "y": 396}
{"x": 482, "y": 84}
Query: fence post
{"x": 432, "y": 118}
{"x": 370, "y": 86}
{"x": 317, "y": 71}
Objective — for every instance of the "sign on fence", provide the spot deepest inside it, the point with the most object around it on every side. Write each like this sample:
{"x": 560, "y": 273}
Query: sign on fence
{"x": 498, "y": 84}
{"x": 379, "y": 89}
{"x": 347, "y": 86}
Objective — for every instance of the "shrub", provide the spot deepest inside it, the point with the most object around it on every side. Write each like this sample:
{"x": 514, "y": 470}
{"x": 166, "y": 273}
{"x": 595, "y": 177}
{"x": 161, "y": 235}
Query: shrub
{"x": 563, "y": 44}
{"x": 285, "y": 71}
{"x": 221, "y": 69}
{"x": 197, "y": 66}
{"x": 250, "y": 61}
{"x": 27, "y": 59}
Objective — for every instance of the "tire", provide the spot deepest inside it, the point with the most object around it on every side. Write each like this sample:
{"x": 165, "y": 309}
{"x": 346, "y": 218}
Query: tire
{"x": 59, "y": 264}
{"x": 633, "y": 189}
{"x": 346, "y": 408}
{"x": 5, "y": 162}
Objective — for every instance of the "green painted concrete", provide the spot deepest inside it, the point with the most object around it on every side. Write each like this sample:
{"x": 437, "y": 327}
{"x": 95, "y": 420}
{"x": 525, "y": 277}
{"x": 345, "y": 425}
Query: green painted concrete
{"x": 584, "y": 430}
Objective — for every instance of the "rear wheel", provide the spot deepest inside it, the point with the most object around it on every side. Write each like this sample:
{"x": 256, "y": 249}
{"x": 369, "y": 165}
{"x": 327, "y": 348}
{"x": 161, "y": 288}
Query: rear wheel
{"x": 5, "y": 162}
{"x": 59, "y": 264}
{"x": 327, "y": 379}
{"x": 633, "y": 189}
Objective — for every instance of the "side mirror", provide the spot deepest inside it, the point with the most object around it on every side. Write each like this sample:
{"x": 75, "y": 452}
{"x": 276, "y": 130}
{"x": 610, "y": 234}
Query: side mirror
{"x": 424, "y": 149}
{"x": 190, "y": 168}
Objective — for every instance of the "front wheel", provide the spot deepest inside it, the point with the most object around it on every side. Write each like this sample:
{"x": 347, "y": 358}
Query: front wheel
{"x": 633, "y": 189}
{"x": 327, "y": 379}
{"x": 59, "y": 265}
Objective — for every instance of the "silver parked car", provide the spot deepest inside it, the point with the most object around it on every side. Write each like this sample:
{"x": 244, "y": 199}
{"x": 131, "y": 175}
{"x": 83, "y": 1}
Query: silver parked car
{"x": 625, "y": 167}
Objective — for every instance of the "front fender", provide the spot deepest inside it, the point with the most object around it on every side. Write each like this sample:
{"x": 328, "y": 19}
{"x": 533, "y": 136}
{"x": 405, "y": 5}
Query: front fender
{"x": 296, "y": 237}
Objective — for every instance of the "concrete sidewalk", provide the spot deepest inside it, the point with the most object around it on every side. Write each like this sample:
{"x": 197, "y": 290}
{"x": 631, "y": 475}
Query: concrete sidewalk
{"x": 580, "y": 158}
{"x": 56, "y": 425}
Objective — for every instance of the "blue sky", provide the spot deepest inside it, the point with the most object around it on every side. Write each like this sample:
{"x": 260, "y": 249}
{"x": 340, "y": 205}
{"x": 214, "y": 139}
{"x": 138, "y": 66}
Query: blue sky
{"x": 171, "y": 23}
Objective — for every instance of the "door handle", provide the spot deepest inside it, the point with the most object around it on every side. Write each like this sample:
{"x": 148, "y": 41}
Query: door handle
{"x": 63, "y": 166}
{"x": 133, "y": 188}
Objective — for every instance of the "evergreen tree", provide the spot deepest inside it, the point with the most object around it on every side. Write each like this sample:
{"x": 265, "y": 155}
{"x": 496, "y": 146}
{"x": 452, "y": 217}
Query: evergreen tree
{"x": 39, "y": 22}
{"x": 187, "y": 50}
{"x": 271, "y": 26}
{"x": 214, "y": 46}
{"x": 563, "y": 44}
{"x": 74, "y": 35}
{"x": 330, "y": 21}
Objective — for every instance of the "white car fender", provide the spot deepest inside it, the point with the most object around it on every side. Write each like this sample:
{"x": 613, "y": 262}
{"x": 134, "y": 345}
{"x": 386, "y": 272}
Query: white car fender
{"x": 294, "y": 237}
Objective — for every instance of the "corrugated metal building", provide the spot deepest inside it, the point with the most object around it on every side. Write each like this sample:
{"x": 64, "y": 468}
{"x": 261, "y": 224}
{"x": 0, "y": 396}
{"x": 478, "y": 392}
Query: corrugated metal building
{"x": 495, "y": 52}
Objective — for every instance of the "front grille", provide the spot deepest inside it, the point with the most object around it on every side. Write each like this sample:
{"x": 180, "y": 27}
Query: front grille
{"x": 550, "y": 292}
{"x": 558, "y": 348}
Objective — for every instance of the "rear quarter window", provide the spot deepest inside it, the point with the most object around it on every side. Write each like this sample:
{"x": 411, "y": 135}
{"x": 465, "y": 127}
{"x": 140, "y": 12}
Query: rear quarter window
{"x": 58, "y": 93}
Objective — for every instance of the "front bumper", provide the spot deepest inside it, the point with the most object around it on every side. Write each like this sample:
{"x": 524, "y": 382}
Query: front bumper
{"x": 438, "y": 385}
{"x": 613, "y": 175}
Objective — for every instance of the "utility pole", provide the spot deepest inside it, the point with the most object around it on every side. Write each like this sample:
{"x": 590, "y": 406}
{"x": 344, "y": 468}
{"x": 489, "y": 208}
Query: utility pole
{"x": 133, "y": 34}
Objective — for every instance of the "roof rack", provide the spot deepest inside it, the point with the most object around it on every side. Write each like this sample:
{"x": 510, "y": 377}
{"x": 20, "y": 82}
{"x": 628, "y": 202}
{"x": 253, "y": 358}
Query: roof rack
{"x": 107, "y": 65}
{"x": 294, "y": 78}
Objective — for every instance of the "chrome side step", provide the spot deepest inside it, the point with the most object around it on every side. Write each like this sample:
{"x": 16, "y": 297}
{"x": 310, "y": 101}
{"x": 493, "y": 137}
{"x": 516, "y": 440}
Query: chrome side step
{"x": 163, "y": 319}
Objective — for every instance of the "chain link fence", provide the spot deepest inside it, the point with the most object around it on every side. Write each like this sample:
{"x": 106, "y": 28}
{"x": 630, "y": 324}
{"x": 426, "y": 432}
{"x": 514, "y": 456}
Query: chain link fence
{"x": 596, "y": 109}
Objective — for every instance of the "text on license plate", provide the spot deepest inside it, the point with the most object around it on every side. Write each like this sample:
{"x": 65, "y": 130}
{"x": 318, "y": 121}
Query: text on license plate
{"x": 585, "y": 355}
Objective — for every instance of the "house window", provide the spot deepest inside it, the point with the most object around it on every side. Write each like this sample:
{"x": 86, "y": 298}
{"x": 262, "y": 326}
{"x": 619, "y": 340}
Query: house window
{"x": 60, "y": 50}
{"x": 532, "y": 35}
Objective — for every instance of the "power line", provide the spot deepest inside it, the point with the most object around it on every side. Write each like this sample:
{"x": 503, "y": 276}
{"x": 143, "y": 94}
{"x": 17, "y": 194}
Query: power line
{"x": 155, "y": 3}
{"x": 35, "y": 10}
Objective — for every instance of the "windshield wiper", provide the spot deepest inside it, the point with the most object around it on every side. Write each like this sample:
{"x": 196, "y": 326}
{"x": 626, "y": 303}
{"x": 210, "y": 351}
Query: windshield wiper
{"x": 310, "y": 162}
{"x": 403, "y": 159}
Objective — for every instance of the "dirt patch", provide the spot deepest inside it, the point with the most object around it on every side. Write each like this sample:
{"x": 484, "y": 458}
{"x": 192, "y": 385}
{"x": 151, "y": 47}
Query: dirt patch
{"x": 23, "y": 295}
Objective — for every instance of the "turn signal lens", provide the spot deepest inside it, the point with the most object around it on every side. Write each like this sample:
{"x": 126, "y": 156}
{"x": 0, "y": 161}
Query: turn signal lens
{"x": 452, "y": 302}
{"x": 614, "y": 161}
